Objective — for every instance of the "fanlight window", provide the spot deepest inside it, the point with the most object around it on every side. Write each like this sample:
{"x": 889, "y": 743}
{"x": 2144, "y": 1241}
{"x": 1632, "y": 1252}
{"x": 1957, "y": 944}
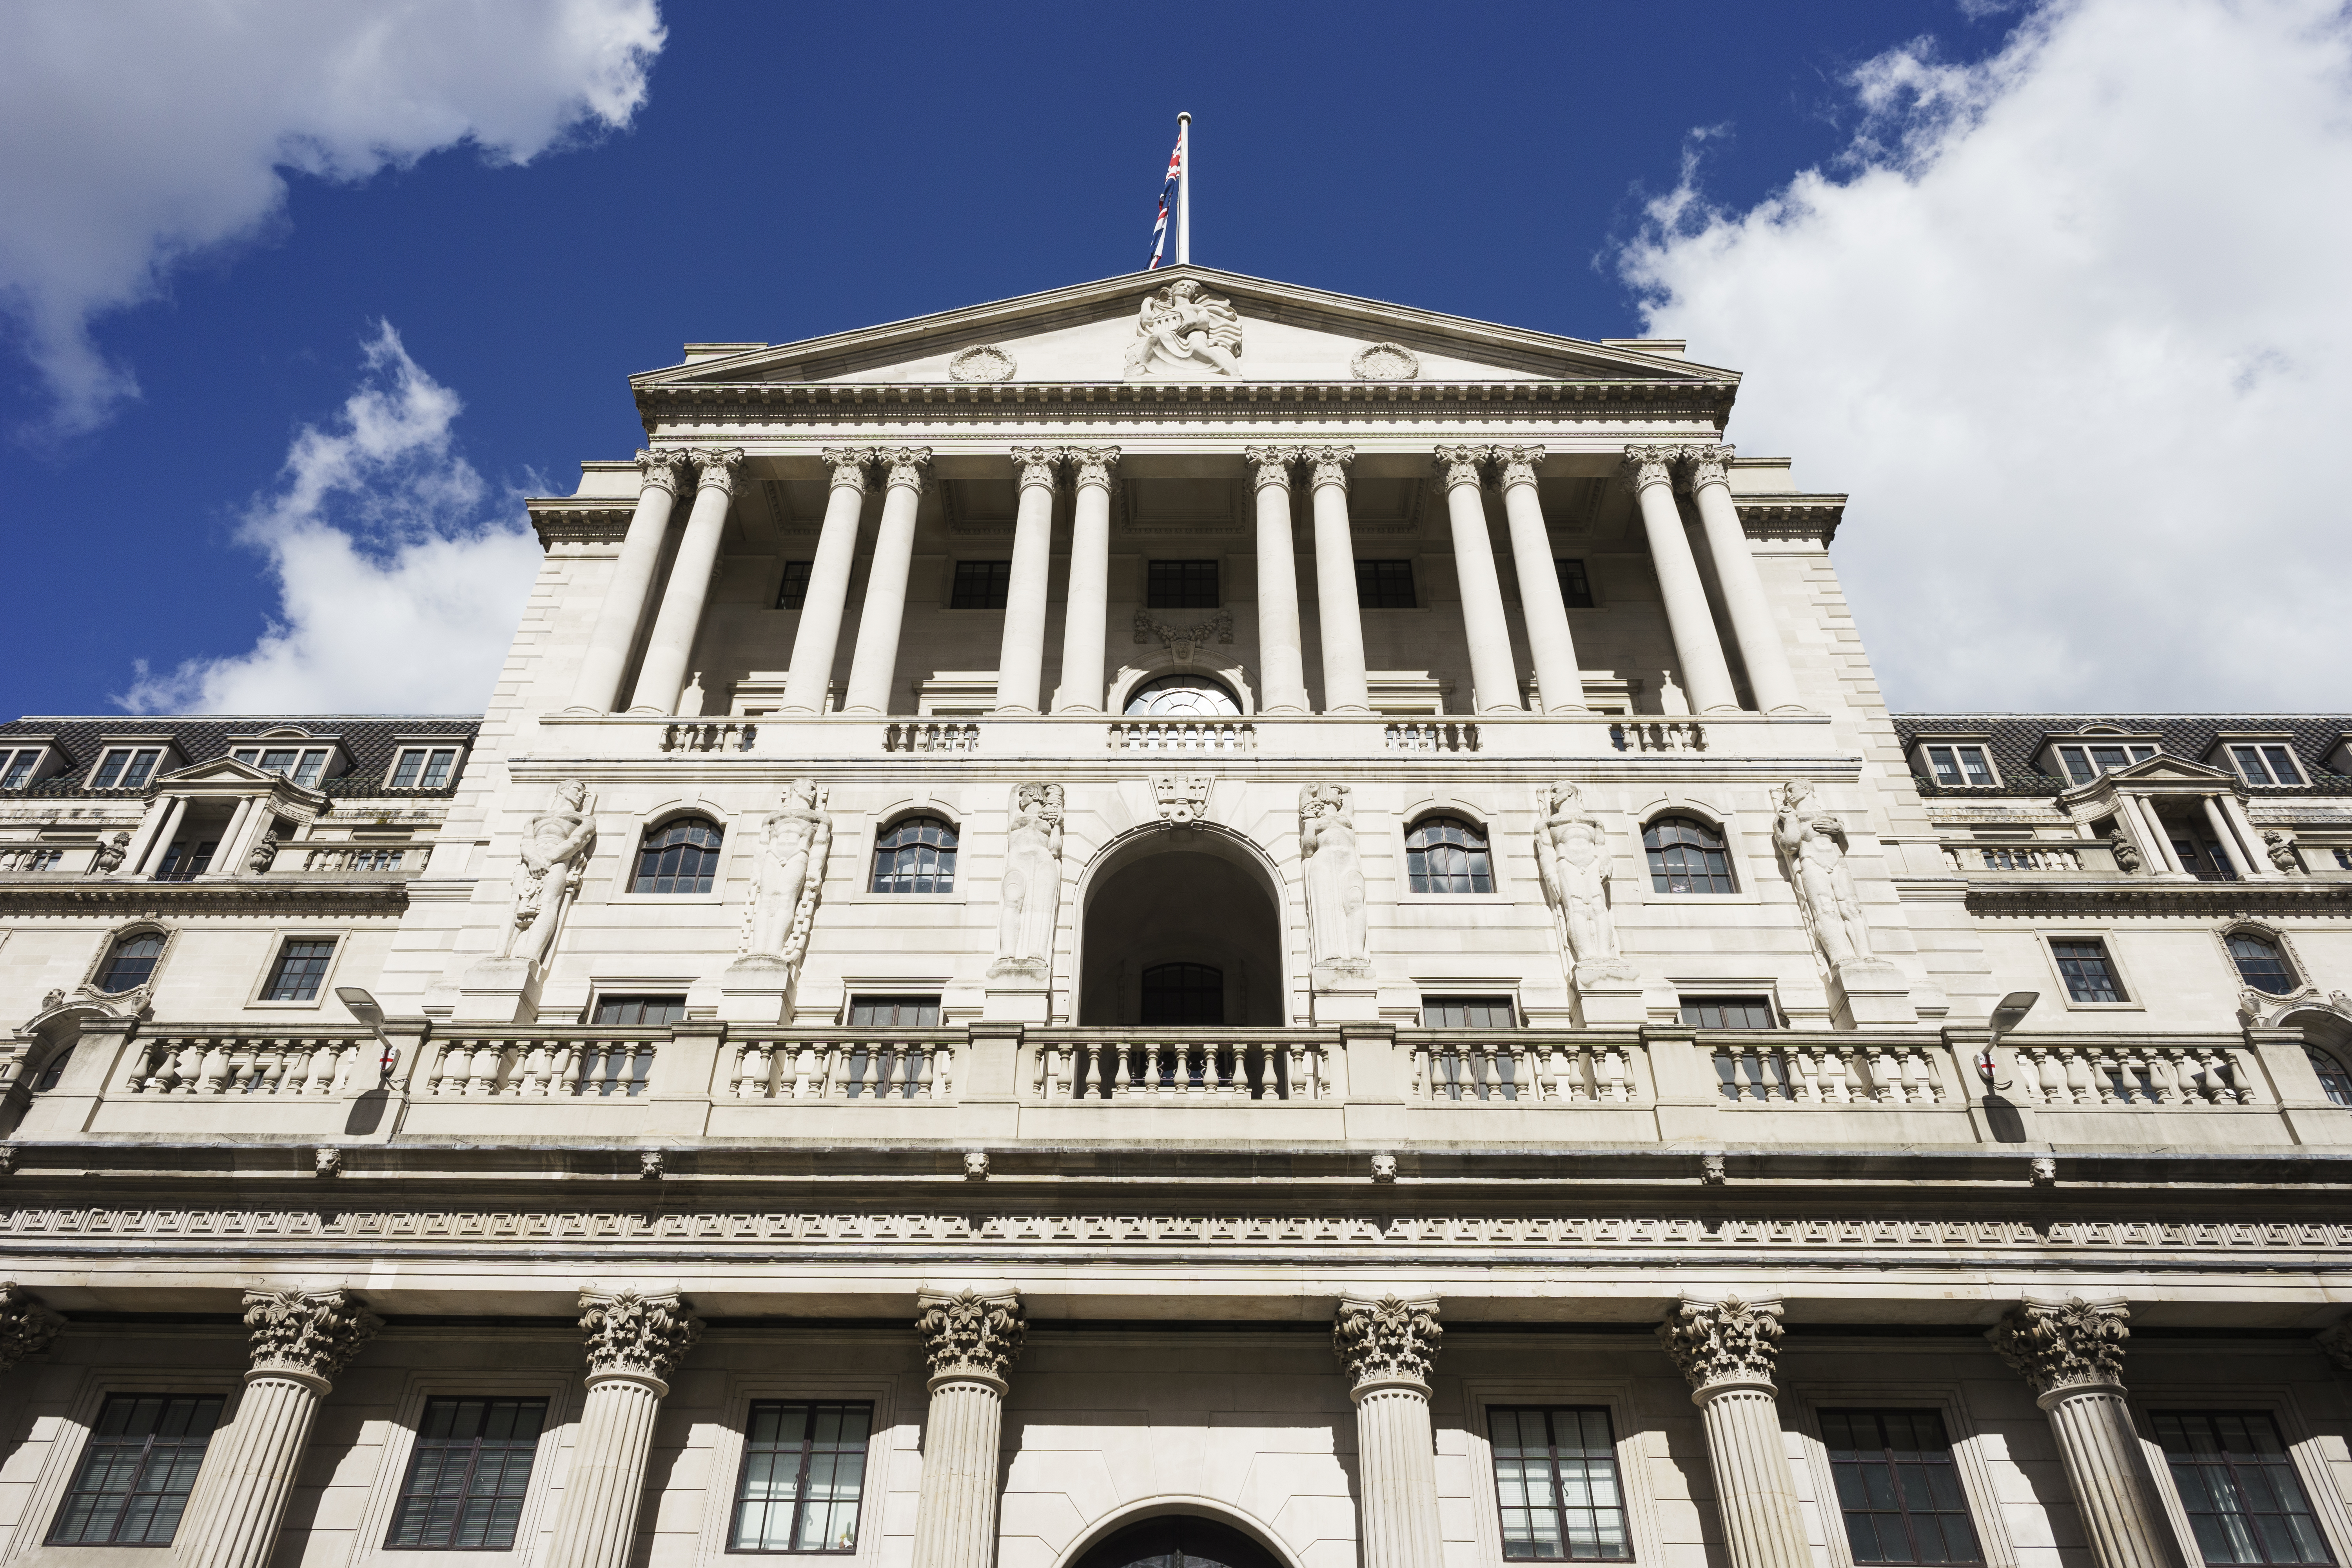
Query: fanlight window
{"x": 2334, "y": 1081}
{"x": 2260, "y": 964}
{"x": 1448, "y": 855}
{"x": 1182, "y": 697}
{"x": 131, "y": 962}
{"x": 1686, "y": 856}
{"x": 680, "y": 857}
{"x": 915, "y": 855}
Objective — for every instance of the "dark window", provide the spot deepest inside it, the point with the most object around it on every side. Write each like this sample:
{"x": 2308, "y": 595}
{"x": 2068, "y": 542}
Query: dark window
{"x": 2266, "y": 765}
{"x": 1182, "y": 697}
{"x": 2210, "y": 864}
{"x": 680, "y": 856}
{"x": 1384, "y": 584}
{"x": 915, "y": 855}
{"x": 2089, "y": 976}
{"x": 1727, "y": 1012}
{"x": 1959, "y": 766}
{"x": 1176, "y": 995}
{"x": 126, "y": 769}
{"x": 20, "y": 768}
{"x": 895, "y": 1011}
{"x": 1686, "y": 856}
{"x": 1899, "y": 1488}
{"x": 2260, "y": 964}
{"x": 56, "y": 1069}
{"x": 187, "y": 860}
{"x": 313, "y": 765}
{"x": 2083, "y": 763}
{"x": 2334, "y": 1081}
{"x": 300, "y": 967}
{"x": 466, "y": 1483}
{"x": 1556, "y": 1479}
{"x": 803, "y": 1473}
{"x": 1182, "y": 585}
{"x": 981, "y": 584}
{"x": 2246, "y": 1503}
{"x": 135, "y": 1474}
{"x": 633, "y": 1012}
{"x": 1447, "y": 855}
{"x": 1469, "y": 1013}
{"x": 791, "y": 593}
{"x": 1575, "y": 587}
{"x": 424, "y": 769}
{"x": 405, "y": 771}
{"x": 131, "y": 961}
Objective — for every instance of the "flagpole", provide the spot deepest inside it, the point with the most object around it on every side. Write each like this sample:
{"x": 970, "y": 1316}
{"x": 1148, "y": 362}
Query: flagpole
{"x": 1184, "y": 190}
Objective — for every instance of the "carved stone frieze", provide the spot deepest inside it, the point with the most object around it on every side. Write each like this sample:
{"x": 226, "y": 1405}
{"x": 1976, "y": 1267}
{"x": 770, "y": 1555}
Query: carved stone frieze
{"x": 1726, "y": 1341}
{"x": 1387, "y": 1340}
{"x": 1181, "y": 640}
{"x": 968, "y": 1334}
{"x": 25, "y": 1326}
{"x": 307, "y": 1333}
{"x": 1180, "y": 797}
{"x": 719, "y": 465}
{"x": 633, "y": 1334}
{"x": 986, "y": 362}
{"x": 2065, "y": 1344}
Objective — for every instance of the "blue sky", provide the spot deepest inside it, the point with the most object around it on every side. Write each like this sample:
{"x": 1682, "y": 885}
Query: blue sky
{"x": 788, "y": 171}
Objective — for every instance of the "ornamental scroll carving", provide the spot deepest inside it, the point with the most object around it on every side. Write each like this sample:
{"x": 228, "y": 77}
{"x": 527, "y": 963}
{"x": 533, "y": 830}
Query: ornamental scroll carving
{"x": 904, "y": 466}
{"x": 1180, "y": 333}
{"x": 967, "y": 1334}
{"x": 25, "y": 1326}
{"x": 1181, "y": 641}
{"x": 630, "y": 1334}
{"x": 1388, "y": 1341}
{"x": 2065, "y": 1344}
{"x": 554, "y": 852}
{"x": 1730, "y": 1341}
{"x": 659, "y": 465}
{"x": 718, "y": 465}
{"x": 848, "y": 465}
{"x": 1647, "y": 465}
{"x": 307, "y": 1333}
{"x": 1271, "y": 464}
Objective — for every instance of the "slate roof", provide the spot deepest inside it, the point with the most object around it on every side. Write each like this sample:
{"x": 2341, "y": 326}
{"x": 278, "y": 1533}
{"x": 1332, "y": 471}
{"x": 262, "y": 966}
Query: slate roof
{"x": 2015, "y": 741}
{"x": 370, "y": 743}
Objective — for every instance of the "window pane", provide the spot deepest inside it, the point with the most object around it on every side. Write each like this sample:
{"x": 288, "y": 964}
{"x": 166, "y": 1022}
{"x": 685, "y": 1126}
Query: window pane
{"x": 1384, "y": 584}
{"x": 110, "y": 769}
{"x": 279, "y": 761}
{"x": 915, "y": 855}
{"x": 300, "y": 967}
{"x": 142, "y": 763}
{"x": 1556, "y": 1485}
{"x": 132, "y": 962}
{"x": 468, "y": 1475}
{"x": 802, "y": 1478}
{"x": 1946, "y": 766}
{"x": 1182, "y": 585}
{"x": 20, "y": 768}
{"x": 2260, "y": 964}
{"x": 681, "y": 857}
{"x": 895, "y": 1011}
{"x": 2246, "y": 1503}
{"x": 1686, "y": 856}
{"x": 2089, "y": 976}
{"x": 981, "y": 584}
{"x": 1448, "y": 855}
{"x": 2334, "y": 1080}
{"x": 792, "y": 592}
{"x": 1469, "y": 1013}
{"x": 436, "y": 768}
{"x": 2282, "y": 762}
{"x": 313, "y": 765}
{"x": 136, "y": 1471}
{"x": 633, "y": 1012}
{"x": 1178, "y": 995}
{"x": 1898, "y": 1486}
{"x": 1980, "y": 772}
{"x": 1575, "y": 587}
{"x": 1728, "y": 1012}
{"x": 2076, "y": 763}
{"x": 404, "y": 775}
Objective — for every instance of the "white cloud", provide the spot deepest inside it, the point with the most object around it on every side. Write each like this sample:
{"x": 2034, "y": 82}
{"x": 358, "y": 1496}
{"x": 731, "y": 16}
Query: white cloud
{"x": 2072, "y": 325}
{"x": 140, "y": 132}
{"x": 394, "y": 595}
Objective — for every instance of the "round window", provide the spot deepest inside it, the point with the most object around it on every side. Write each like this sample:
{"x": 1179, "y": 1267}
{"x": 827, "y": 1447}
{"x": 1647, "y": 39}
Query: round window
{"x": 1184, "y": 697}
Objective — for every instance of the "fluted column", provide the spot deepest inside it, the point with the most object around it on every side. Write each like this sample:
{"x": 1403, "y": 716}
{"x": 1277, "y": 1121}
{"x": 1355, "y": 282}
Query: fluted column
{"x": 818, "y": 636}
{"x": 302, "y": 1339}
{"x": 1281, "y": 658}
{"x": 1753, "y": 625}
{"x": 1338, "y": 608}
{"x": 1085, "y": 618}
{"x": 1559, "y": 680}
{"x": 2072, "y": 1355}
{"x": 1650, "y": 470}
{"x": 25, "y": 1326}
{"x": 624, "y": 609}
{"x": 1388, "y": 1347}
{"x": 634, "y": 1343}
{"x": 663, "y": 674}
{"x": 1020, "y": 663}
{"x": 1727, "y": 1350}
{"x": 970, "y": 1339}
{"x": 1494, "y": 677}
{"x": 874, "y": 663}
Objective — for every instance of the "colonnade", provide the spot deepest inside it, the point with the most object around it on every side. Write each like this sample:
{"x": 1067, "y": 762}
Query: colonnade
{"x": 1463, "y": 471}
{"x": 2225, "y": 819}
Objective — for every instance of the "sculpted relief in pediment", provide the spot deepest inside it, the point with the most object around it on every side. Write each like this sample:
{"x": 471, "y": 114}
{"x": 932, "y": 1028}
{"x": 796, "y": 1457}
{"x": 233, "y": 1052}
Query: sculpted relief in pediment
{"x": 1183, "y": 335}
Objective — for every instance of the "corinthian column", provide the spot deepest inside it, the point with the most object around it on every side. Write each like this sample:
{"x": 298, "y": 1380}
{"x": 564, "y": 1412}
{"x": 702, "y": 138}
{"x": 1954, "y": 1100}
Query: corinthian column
{"x": 1552, "y": 647}
{"x": 1085, "y": 617}
{"x": 874, "y": 663}
{"x": 970, "y": 1339}
{"x": 302, "y": 1339}
{"x": 624, "y": 609}
{"x": 1726, "y": 1348}
{"x": 25, "y": 1326}
{"x": 1650, "y": 470}
{"x": 1753, "y": 625}
{"x": 2071, "y": 1353}
{"x": 1336, "y": 601}
{"x": 818, "y": 636}
{"x": 1020, "y": 663}
{"x": 1388, "y": 1347}
{"x": 1493, "y": 678}
{"x": 635, "y": 1342}
{"x": 663, "y": 674}
{"x": 1281, "y": 661}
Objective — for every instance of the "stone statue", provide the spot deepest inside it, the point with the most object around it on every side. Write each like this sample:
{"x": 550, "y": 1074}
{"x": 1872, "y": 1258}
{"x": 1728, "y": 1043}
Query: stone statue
{"x": 1336, "y": 943}
{"x": 2125, "y": 852}
{"x": 553, "y": 852}
{"x": 1031, "y": 896}
{"x": 2281, "y": 849}
{"x": 1180, "y": 328}
{"x": 1813, "y": 852}
{"x": 1572, "y": 854}
{"x": 263, "y": 855}
{"x": 788, "y": 871}
{"x": 110, "y": 854}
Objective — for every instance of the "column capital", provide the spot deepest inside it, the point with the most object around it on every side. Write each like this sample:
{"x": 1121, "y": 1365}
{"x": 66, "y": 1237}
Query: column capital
{"x": 309, "y": 1334}
{"x": 1388, "y": 1341}
{"x": 2059, "y": 1346}
{"x": 718, "y": 466}
{"x": 1705, "y": 466}
{"x": 659, "y": 467}
{"x": 1090, "y": 466}
{"x": 1514, "y": 466}
{"x": 1036, "y": 465}
{"x": 904, "y": 466}
{"x": 1721, "y": 1343}
{"x": 967, "y": 1334}
{"x": 2334, "y": 1342}
{"x": 1458, "y": 466}
{"x": 848, "y": 465}
{"x": 25, "y": 1326}
{"x": 1271, "y": 464}
{"x": 1649, "y": 465}
{"x": 630, "y": 1333}
{"x": 1329, "y": 464}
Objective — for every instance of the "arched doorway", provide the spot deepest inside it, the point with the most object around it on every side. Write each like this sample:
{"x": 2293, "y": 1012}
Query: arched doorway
{"x": 1177, "y": 1540}
{"x": 1181, "y": 929}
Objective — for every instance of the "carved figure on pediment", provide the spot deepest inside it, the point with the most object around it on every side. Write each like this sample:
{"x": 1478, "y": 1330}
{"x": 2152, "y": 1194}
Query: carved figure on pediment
{"x": 554, "y": 851}
{"x": 110, "y": 854}
{"x": 1813, "y": 845}
{"x": 788, "y": 873}
{"x": 1180, "y": 328}
{"x": 1336, "y": 928}
{"x": 1572, "y": 856}
{"x": 2280, "y": 847}
{"x": 1031, "y": 896}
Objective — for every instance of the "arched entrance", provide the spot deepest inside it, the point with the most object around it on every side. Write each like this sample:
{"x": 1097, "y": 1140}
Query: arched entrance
{"x": 1177, "y": 1540}
{"x": 1181, "y": 929}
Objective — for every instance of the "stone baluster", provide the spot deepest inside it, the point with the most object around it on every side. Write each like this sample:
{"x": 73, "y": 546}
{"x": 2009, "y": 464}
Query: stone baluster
{"x": 2072, "y": 1355}
{"x": 1727, "y": 1349}
{"x": 1085, "y": 616}
{"x": 1281, "y": 658}
{"x": 1387, "y": 1348}
{"x": 1650, "y": 470}
{"x": 1337, "y": 608}
{"x": 25, "y": 1326}
{"x": 1753, "y": 626}
{"x": 634, "y": 1343}
{"x": 874, "y": 663}
{"x": 817, "y": 637}
{"x": 623, "y": 611}
{"x": 1021, "y": 661}
{"x": 662, "y": 676}
{"x": 301, "y": 1340}
{"x": 1551, "y": 648}
{"x": 1494, "y": 677}
{"x": 971, "y": 1341}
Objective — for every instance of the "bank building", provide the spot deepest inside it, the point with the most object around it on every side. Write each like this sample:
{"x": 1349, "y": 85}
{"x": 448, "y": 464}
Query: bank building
{"x": 1180, "y": 920}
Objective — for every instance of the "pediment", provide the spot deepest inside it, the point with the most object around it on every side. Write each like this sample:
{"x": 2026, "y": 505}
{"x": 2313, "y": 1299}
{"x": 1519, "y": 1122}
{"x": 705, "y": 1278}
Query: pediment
{"x": 2161, "y": 769}
{"x": 1087, "y": 334}
{"x": 226, "y": 774}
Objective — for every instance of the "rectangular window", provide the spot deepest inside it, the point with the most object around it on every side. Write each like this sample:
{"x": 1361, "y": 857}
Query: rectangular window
{"x": 792, "y": 592}
{"x": 1384, "y": 584}
{"x": 2246, "y": 1503}
{"x": 245, "y": 754}
{"x": 277, "y": 762}
{"x": 182, "y": 862}
{"x": 2084, "y": 966}
{"x": 1959, "y": 767}
{"x": 313, "y": 765}
{"x": 895, "y": 1011}
{"x": 804, "y": 1474}
{"x": 301, "y": 964}
{"x": 1898, "y": 1486}
{"x": 1469, "y": 1013}
{"x": 1556, "y": 1482}
{"x": 1727, "y": 1012}
{"x": 467, "y": 1479}
{"x": 633, "y": 1012}
{"x": 2083, "y": 763}
{"x": 981, "y": 584}
{"x": 1575, "y": 587}
{"x": 20, "y": 766}
{"x": 1182, "y": 585}
{"x": 422, "y": 767}
{"x": 134, "y": 1476}
{"x": 2265, "y": 764}
{"x": 127, "y": 768}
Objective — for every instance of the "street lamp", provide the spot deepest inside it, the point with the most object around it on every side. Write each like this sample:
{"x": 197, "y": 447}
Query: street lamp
{"x": 2007, "y": 1014}
{"x": 363, "y": 1007}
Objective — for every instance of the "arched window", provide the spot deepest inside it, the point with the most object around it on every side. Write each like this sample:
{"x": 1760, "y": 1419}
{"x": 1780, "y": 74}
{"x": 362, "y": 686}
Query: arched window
{"x": 2260, "y": 964}
{"x": 1448, "y": 855}
{"x": 1182, "y": 697}
{"x": 1686, "y": 856}
{"x": 681, "y": 856}
{"x": 131, "y": 962}
{"x": 2333, "y": 1078}
{"x": 1178, "y": 994}
{"x": 56, "y": 1070}
{"x": 915, "y": 855}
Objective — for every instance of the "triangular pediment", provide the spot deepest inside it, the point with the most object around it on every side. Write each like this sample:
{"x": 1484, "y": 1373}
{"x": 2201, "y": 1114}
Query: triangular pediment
{"x": 2161, "y": 769}
{"x": 226, "y": 774}
{"x": 1090, "y": 333}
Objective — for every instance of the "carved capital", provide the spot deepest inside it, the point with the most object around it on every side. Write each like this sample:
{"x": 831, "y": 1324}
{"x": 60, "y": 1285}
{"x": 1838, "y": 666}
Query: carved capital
{"x": 904, "y": 466}
{"x": 1329, "y": 465}
{"x": 644, "y": 1336}
{"x": 659, "y": 467}
{"x": 719, "y": 468}
{"x": 1458, "y": 466}
{"x": 1647, "y": 465}
{"x": 848, "y": 465}
{"x": 25, "y": 1326}
{"x": 1090, "y": 465}
{"x": 968, "y": 1334}
{"x": 1730, "y": 1341}
{"x": 307, "y": 1333}
{"x": 1271, "y": 464}
{"x": 1387, "y": 1340}
{"x": 1707, "y": 466}
{"x": 1037, "y": 466}
{"x": 2065, "y": 1344}
{"x": 1515, "y": 466}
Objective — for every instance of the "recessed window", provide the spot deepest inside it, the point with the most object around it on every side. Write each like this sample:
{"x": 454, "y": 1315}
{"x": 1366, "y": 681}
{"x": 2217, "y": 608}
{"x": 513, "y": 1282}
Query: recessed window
{"x": 56, "y": 1070}
{"x": 792, "y": 592}
{"x": 1959, "y": 767}
{"x": 2260, "y": 964}
{"x": 1180, "y": 995}
{"x": 1556, "y": 1480}
{"x": 894, "y": 1012}
{"x": 1728, "y": 1012}
{"x": 1686, "y": 856}
{"x": 467, "y": 1476}
{"x": 187, "y": 860}
{"x": 1384, "y": 584}
{"x": 423, "y": 767}
{"x": 2244, "y": 1501}
{"x": 132, "y": 962}
{"x": 302, "y": 965}
{"x": 680, "y": 857}
{"x": 638, "y": 1011}
{"x": 803, "y": 1476}
{"x": 1180, "y": 585}
{"x": 2205, "y": 860}
{"x": 1575, "y": 587}
{"x": 1469, "y": 1013}
{"x": 1182, "y": 697}
{"x": 981, "y": 584}
{"x": 915, "y": 855}
{"x": 2083, "y": 763}
{"x": 2334, "y": 1081}
{"x": 126, "y": 767}
{"x": 135, "y": 1474}
{"x": 1448, "y": 855}
{"x": 2089, "y": 974}
{"x": 17, "y": 768}
{"x": 2265, "y": 764}
{"x": 1898, "y": 1486}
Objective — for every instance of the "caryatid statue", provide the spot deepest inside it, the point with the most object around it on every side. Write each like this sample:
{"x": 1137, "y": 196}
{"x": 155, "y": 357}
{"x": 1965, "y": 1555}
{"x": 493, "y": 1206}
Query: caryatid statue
{"x": 1030, "y": 900}
{"x": 1180, "y": 328}
{"x": 1336, "y": 937}
{"x": 554, "y": 850}
{"x": 1813, "y": 845}
{"x": 787, "y": 873}
{"x": 1572, "y": 854}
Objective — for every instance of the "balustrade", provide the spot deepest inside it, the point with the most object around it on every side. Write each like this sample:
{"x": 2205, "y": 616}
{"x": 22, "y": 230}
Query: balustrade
{"x": 1167, "y": 1072}
{"x": 2132, "y": 1075}
{"x": 1521, "y": 1070}
{"x": 1863, "y": 1073}
{"x": 930, "y": 735}
{"x": 349, "y": 857}
{"x": 212, "y": 1064}
{"x": 1971, "y": 856}
{"x": 1431, "y": 735}
{"x": 714, "y": 737}
{"x": 1230, "y": 736}
{"x": 904, "y": 1067}
{"x": 32, "y": 858}
{"x": 1658, "y": 735}
{"x": 581, "y": 1067}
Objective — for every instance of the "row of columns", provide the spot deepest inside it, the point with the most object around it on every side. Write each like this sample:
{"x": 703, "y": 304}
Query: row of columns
{"x": 2225, "y": 816}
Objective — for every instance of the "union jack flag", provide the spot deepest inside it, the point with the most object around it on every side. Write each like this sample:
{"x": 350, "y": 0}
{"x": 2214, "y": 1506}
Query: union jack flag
{"x": 1167, "y": 189}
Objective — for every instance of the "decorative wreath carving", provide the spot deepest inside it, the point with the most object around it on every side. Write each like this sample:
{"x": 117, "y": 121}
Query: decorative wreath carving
{"x": 1385, "y": 361}
{"x": 986, "y": 362}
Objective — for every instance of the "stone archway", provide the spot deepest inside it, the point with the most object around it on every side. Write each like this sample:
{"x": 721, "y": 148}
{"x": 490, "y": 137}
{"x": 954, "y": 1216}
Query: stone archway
{"x": 1177, "y": 1540}
{"x": 1168, "y": 904}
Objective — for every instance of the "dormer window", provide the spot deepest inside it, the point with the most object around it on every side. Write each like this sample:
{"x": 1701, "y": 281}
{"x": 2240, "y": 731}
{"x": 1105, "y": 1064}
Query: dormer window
{"x": 20, "y": 766}
{"x": 304, "y": 765}
{"x": 2265, "y": 763}
{"x": 423, "y": 767}
{"x": 1959, "y": 767}
{"x": 126, "y": 767}
{"x": 2083, "y": 763}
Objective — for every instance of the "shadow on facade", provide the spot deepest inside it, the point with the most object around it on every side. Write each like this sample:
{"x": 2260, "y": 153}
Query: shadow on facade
{"x": 1182, "y": 928}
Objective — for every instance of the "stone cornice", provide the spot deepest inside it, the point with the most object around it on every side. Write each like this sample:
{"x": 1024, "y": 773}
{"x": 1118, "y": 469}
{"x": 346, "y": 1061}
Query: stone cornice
{"x": 305, "y": 895}
{"x": 566, "y": 521}
{"x": 2063, "y": 895}
{"x": 1814, "y": 517}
